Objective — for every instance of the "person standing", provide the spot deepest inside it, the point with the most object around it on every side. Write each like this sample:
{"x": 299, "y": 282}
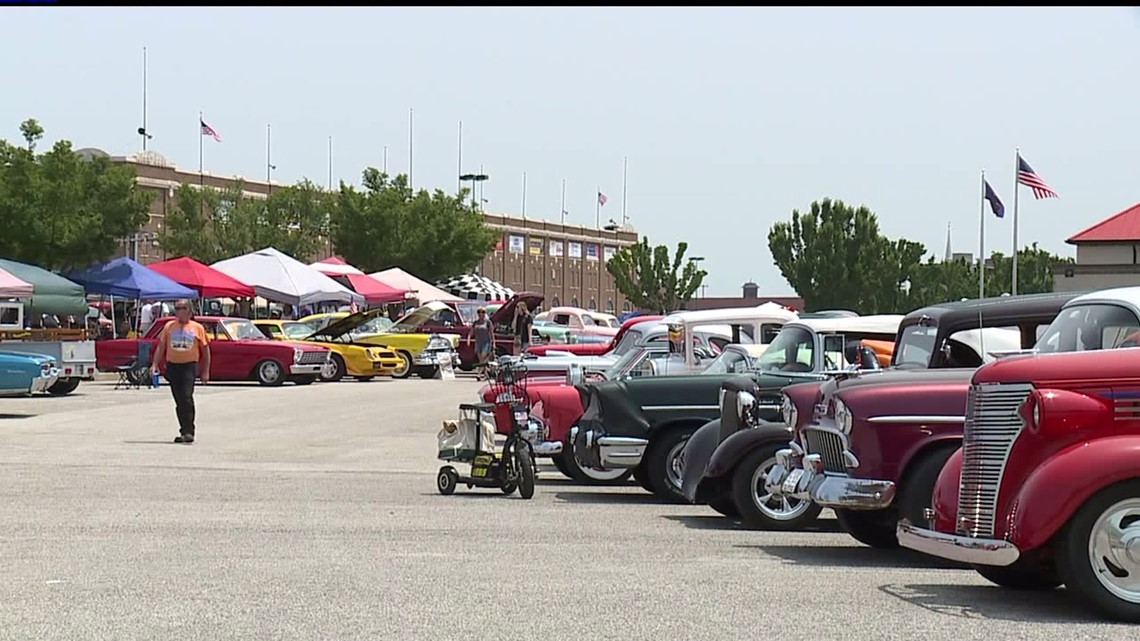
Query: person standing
{"x": 184, "y": 348}
{"x": 483, "y": 333}
{"x": 523, "y": 322}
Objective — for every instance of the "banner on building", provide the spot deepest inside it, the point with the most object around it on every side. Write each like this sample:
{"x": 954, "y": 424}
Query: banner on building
{"x": 535, "y": 246}
{"x": 516, "y": 244}
{"x": 591, "y": 251}
{"x": 575, "y": 249}
{"x": 556, "y": 248}
{"x": 609, "y": 252}
{"x": 499, "y": 244}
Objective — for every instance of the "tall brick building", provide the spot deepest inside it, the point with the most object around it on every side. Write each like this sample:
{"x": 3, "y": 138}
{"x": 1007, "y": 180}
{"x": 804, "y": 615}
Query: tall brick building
{"x": 561, "y": 261}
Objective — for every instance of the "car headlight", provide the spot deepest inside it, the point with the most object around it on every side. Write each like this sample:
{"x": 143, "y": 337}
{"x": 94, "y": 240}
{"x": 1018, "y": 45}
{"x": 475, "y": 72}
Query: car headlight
{"x": 843, "y": 418}
{"x": 788, "y": 411}
{"x": 746, "y": 408}
{"x": 297, "y": 352}
{"x": 438, "y": 342}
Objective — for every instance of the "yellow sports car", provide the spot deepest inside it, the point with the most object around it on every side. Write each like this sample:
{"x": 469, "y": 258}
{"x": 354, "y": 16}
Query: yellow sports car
{"x": 362, "y": 362}
{"x": 419, "y": 352}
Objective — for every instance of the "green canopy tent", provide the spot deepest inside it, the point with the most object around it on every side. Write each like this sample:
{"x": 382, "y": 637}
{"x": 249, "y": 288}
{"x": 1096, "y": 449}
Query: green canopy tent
{"x": 51, "y": 293}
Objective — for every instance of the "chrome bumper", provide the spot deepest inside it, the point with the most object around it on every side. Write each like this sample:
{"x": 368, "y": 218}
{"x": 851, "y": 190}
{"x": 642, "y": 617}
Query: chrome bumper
{"x": 963, "y": 549}
{"x": 802, "y": 477}
{"x": 437, "y": 357}
{"x": 302, "y": 370}
{"x": 42, "y": 383}
{"x": 547, "y": 448}
{"x": 614, "y": 452}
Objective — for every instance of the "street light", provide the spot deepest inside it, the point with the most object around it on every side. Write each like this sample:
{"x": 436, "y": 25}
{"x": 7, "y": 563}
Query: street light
{"x": 698, "y": 260}
{"x": 473, "y": 178}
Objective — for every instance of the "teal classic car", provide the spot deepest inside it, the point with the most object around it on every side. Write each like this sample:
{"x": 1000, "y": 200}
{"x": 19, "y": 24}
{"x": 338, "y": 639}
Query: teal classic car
{"x": 22, "y": 374}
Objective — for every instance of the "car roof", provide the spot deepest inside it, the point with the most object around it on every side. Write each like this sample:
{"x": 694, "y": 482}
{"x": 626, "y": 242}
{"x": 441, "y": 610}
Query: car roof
{"x": 994, "y": 311}
{"x": 1127, "y": 295}
{"x": 879, "y": 324}
{"x": 752, "y": 349}
{"x": 733, "y": 314}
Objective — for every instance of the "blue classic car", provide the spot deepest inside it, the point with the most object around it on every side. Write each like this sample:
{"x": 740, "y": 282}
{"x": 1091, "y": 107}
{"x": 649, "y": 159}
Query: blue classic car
{"x": 26, "y": 373}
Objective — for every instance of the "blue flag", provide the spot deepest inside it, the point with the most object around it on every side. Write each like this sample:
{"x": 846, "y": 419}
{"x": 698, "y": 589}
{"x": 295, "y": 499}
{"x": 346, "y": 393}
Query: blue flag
{"x": 995, "y": 202}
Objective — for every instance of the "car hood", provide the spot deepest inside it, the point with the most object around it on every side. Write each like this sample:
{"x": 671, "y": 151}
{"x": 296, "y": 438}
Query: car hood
{"x": 507, "y": 311}
{"x": 413, "y": 320}
{"x": 342, "y": 326}
{"x": 308, "y": 347}
{"x": 36, "y": 359}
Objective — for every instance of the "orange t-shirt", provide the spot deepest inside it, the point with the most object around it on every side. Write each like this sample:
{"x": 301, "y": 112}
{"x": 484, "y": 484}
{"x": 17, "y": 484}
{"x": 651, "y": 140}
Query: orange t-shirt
{"x": 183, "y": 342}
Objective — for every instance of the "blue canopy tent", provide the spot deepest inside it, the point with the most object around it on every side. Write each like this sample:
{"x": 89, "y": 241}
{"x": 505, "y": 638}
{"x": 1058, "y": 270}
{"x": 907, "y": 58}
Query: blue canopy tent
{"x": 126, "y": 278}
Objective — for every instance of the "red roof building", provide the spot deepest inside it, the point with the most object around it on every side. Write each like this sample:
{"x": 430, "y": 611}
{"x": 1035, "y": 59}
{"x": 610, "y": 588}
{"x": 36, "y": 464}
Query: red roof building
{"x": 1108, "y": 254}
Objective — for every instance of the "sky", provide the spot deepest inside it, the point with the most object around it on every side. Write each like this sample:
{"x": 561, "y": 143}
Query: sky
{"x": 730, "y": 118}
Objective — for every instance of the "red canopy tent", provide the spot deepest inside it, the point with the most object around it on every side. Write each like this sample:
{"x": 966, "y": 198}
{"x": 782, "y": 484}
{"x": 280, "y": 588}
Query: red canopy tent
{"x": 373, "y": 291}
{"x": 209, "y": 282}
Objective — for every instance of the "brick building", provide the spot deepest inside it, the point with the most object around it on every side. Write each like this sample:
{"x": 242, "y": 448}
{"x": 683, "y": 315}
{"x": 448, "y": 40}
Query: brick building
{"x": 1108, "y": 255}
{"x": 563, "y": 262}
{"x": 751, "y": 297}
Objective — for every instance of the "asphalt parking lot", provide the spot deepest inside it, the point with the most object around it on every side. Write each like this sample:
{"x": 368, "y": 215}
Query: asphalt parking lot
{"x": 311, "y": 513}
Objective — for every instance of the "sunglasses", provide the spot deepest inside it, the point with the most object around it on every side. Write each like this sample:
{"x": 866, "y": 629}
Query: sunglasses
{"x": 181, "y": 308}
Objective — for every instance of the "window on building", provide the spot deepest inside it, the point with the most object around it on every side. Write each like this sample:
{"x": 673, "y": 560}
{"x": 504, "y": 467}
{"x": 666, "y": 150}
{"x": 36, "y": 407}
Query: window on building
{"x": 610, "y": 306}
{"x": 574, "y": 302}
{"x": 555, "y": 302}
{"x": 625, "y": 307}
{"x": 593, "y": 305}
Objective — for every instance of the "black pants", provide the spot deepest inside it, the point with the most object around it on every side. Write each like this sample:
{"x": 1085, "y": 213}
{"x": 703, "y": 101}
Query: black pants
{"x": 182, "y": 377}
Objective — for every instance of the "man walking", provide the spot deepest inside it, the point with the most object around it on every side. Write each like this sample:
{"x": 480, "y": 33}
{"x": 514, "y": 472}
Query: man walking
{"x": 183, "y": 345}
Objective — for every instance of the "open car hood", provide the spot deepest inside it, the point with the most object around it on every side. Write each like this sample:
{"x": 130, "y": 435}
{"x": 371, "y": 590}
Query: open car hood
{"x": 343, "y": 326}
{"x": 415, "y": 319}
{"x": 507, "y": 311}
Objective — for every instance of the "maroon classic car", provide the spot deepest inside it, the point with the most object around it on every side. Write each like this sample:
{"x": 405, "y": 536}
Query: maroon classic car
{"x": 458, "y": 318}
{"x": 1046, "y": 487}
{"x": 238, "y": 350}
{"x": 871, "y": 446}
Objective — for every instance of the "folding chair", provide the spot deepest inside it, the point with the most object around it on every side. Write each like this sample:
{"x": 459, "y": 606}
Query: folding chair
{"x": 134, "y": 373}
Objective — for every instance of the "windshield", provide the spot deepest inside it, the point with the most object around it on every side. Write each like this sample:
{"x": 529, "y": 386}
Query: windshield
{"x": 729, "y": 362}
{"x": 468, "y": 311}
{"x": 1083, "y": 328}
{"x": 793, "y": 350}
{"x": 629, "y": 360}
{"x": 242, "y": 329}
{"x": 377, "y": 325}
{"x": 296, "y": 331}
{"x": 916, "y": 345}
{"x": 630, "y": 338}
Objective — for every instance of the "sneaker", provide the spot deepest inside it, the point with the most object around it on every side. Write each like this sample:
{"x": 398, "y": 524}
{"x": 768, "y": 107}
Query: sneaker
{"x": 184, "y": 438}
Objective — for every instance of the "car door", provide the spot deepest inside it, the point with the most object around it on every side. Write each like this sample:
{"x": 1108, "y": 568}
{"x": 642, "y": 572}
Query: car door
{"x": 224, "y": 354}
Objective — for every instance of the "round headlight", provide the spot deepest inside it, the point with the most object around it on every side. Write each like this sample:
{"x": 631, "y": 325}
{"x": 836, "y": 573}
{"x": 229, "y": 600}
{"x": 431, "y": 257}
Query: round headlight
{"x": 297, "y": 354}
{"x": 842, "y": 417}
{"x": 788, "y": 412}
{"x": 745, "y": 408}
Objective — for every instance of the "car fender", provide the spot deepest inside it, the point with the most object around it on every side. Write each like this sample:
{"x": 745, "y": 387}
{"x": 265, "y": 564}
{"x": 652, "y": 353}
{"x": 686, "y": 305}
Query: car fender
{"x": 739, "y": 445}
{"x": 924, "y": 448}
{"x": 945, "y": 497}
{"x": 1063, "y": 482}
{"x": 696, "y": 455}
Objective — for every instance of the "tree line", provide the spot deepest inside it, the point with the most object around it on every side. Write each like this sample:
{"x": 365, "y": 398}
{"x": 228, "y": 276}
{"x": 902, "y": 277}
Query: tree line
{"x": 60, "y": 209}
{"x": 835, "y": 257}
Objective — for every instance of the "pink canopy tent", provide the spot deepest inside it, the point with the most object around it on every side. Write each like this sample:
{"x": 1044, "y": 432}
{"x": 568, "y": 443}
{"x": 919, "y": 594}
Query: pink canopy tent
{"x": 12, "y": 287}
{"x": 374, "y": 291}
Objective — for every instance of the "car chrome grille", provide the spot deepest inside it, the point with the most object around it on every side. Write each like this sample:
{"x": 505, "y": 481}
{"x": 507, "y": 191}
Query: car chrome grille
{"x": 829, "y": 446}
{"x": 313, "y": 357}
{"x": 992, "y": 425}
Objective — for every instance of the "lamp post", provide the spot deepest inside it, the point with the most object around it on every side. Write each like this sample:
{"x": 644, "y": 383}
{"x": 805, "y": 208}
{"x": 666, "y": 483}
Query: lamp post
{"x": 473, "y": 178}
{"x": 698, "y": 260}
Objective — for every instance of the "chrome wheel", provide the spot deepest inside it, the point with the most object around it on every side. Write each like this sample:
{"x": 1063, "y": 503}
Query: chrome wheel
{"x": 269, "y": 373}
{"x": 780, "y": 508}
{"x": 1114, "y": 550}
{"x": 404, "y": 370}
{"x": 675, "y": 467}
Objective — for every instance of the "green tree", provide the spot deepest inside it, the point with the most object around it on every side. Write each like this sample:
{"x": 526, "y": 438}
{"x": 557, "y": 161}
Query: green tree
{"x": 650, "y": 280}
{"x": 432, "y": 235}
{"x": 61, "y": 210}
{"x": 211, "y": 225}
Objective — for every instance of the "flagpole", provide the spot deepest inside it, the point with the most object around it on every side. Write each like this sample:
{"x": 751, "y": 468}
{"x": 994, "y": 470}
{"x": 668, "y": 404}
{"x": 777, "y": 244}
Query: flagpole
{"x": 563, "y": 219}
{"x": 409, "y": 148}
{"x": 624, "y": 166}
{"x": 330, "y": 163}
{"x": 982, "y": 240}
{"x": 201, "y": 166}
{"x": 524, "y": 197}
{"x": 268, "y": 158}
{"x": 459, "y": 172}
{"x": 144, "y": 132}
{"x": 1016, "y": 169}
{"x": 385, "y": 165}
{"x": 598, "y": 208}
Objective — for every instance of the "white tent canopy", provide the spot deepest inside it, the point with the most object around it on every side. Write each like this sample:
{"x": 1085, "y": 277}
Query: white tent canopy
{"x": 424, "y": 292}
{"x": 284, "y": 279}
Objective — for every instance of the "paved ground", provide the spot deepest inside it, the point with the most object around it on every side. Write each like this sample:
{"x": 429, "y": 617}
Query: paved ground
{"x": 311, "y": 513}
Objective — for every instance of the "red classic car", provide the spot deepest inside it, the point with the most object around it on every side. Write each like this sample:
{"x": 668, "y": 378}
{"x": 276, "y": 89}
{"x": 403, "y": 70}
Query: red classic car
{"x": 871, "y": 446}
{"x": 594, "y": 349}
{"x": 238, "y": 350}
{"x": 458, "y": 317}
{"x": 1046, "y": 487}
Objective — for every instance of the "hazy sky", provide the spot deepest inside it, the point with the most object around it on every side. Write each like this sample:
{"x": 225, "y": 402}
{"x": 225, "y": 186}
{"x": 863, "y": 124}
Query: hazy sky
{"x": 730, "y": 118}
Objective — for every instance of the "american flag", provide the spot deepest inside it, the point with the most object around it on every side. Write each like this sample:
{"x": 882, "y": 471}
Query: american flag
{"x": 1026, "y": 176}
{"x": 602, "y": 198}
{"x": 207, "y": 130}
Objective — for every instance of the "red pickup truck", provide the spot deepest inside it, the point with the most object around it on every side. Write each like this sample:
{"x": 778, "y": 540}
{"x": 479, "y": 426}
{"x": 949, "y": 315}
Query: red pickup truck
{"x": 238, "y": 350}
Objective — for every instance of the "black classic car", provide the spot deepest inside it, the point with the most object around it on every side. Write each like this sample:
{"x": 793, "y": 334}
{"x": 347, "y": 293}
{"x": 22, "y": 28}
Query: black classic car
{"x": 643, "y": 424}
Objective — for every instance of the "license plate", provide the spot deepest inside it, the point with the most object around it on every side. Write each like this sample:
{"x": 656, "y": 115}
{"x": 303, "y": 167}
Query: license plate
{"x": 521, "y": 417}
{"x": 478, "y": 472}
{"x": 792, "y": 481}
